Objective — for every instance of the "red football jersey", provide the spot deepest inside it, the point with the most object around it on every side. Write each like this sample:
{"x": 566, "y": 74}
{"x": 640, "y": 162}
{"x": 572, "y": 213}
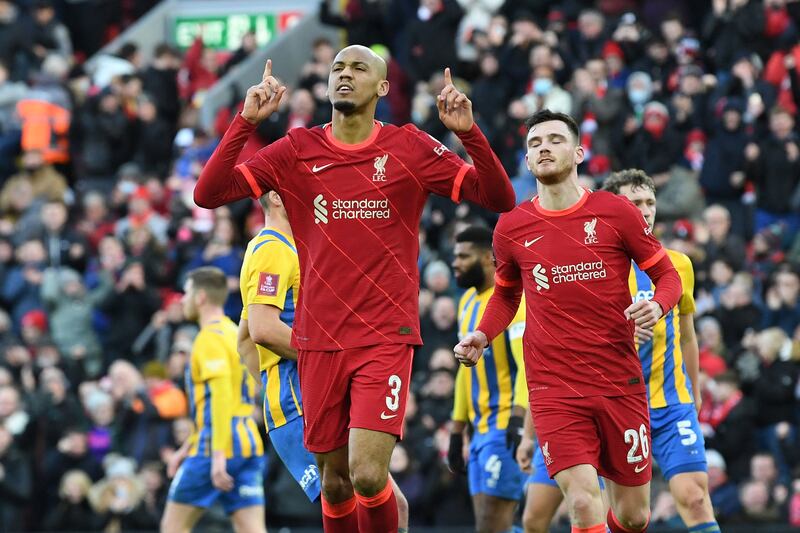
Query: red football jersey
{"x": 355, "y": 212}
{"x": 574, "y": 267}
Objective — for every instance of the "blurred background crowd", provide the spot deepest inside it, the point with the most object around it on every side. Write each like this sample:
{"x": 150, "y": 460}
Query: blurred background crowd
{"x": 98, "y": 227}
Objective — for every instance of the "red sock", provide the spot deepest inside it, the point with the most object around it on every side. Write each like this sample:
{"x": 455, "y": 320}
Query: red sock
{"x": 339, "y": 517}
{"x": 378, "y": 514}
{"x": 599, "y": 528}
{"x": 616, "y": 527}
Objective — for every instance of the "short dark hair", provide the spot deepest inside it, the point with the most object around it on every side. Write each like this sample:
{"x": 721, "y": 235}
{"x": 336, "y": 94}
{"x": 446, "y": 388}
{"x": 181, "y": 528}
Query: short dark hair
{"x": 477, "y": 235}
{"x": 634, "y": 177}
{"x": 545, "y": 115}
{"x": 212, "y": 280}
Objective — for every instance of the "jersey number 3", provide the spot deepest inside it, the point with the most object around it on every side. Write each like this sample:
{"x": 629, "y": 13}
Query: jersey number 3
{"x": 393, "y": 400}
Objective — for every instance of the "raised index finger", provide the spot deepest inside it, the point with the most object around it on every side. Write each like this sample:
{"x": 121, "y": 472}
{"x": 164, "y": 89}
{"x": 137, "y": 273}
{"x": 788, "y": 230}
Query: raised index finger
{"x": 267, "y": 70}
{"x": 448, "y": 80}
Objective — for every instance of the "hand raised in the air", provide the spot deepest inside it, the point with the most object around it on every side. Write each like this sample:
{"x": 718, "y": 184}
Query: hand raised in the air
{"x": 644, "y": 313}
{"x": 470, "y": 349}
{"x": 455, "y": 109}
{"x": 262, "y": 100}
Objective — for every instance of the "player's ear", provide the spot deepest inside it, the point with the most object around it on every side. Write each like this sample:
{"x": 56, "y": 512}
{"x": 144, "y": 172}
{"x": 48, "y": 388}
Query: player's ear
{"x": 275, "y": 198}
{"x": 383, "y": 88}
{"x": 579, "y": 154}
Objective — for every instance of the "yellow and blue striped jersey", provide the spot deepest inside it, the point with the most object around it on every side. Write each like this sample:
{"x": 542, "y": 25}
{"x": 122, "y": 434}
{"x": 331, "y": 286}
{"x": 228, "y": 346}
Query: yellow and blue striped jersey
{"x": 662, "y": 359}
{"x": 486, "y": 392}
{"x": 221, "y": 395}
{"x": 271, "y": 276}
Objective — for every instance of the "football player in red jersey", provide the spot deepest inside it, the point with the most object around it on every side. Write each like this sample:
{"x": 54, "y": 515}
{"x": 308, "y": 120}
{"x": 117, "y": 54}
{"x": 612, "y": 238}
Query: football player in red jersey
{"x": 570, "y": 250}
{"x": 354, "y": 190}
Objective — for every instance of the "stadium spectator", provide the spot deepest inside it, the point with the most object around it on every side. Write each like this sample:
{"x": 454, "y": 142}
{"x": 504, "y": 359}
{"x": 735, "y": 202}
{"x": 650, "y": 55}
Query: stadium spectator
{"x": 16, "y": 482}
{"x": 724, "y": 497}
{"x": 73, "y": 511}
{"x": 727, "y": 421}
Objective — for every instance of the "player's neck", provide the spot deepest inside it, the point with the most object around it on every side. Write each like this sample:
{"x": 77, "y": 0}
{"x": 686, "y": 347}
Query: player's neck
{"x": 352, "y": 128}
{"x": 560, "y": 196}
{"x": 209, "y": 314}
{"x": 279, "y": 224}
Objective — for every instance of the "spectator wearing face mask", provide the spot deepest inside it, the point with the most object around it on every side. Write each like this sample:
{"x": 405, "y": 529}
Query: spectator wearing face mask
{"x": 545, "y": 94}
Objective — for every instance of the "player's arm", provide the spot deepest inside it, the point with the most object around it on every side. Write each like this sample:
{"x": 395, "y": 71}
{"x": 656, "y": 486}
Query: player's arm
{"x": 515, "y": 332}
{"x": 487, "y": 183}
{"x": 459, "y": 419}
{"x": 248, "y": 351}
{"x": 686, "y": 309}
{"x": 220, "y": 182}
{"x": 267, "y": 329}
{"x": 651, "y": 257}
{"x": 215, "y": 373}
{"x": 502, "y": 306}
{"x": 691, "y": 355}
{"x": 525, "y": 450}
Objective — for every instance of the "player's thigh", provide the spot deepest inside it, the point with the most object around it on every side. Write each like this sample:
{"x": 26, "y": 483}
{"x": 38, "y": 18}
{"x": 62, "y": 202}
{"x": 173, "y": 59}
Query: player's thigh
{"x": 192, "y": 486}
{"x": 334, "y": 471}
{"x": 248, "y": 484}
{"x": 677, "y": 440}
{"x": 624, "y": 423}
{"x": 567, "y": 433}
{"x": 249, "y": 520}
{"x": 495, "y": 470}
{"x": 287, "y": 440}
{"x": 324, "y": 385}
{"x": 180, "y": 517}
{"x": 369, "y": 455}
{"x": 629, "y": 502}
{"x": 497, "y": 515}
{"x": 541, "y": 503}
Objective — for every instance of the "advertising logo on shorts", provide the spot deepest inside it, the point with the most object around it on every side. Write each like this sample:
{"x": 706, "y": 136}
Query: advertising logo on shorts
{"x": 339, "y": 209}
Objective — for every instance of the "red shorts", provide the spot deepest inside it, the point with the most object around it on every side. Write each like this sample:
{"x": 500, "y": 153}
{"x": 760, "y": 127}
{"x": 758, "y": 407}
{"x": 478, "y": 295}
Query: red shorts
{"x": 611, "y": 433}
{"x": 356, "y": 388}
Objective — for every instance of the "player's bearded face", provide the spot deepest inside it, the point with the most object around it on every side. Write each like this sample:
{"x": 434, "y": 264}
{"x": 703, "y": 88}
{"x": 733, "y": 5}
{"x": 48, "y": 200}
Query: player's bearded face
{"x": 354, "y": 81}
{"x": 472, "y": 276}
{"x": 552, "y": 152}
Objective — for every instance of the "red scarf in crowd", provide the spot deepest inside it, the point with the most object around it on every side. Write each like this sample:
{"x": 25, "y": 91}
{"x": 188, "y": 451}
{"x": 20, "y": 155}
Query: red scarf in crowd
{"x": 714, "y": 414}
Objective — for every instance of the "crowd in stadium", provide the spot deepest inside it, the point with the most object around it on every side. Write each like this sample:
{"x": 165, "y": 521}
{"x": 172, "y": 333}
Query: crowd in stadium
{"x": 98, "y": 228}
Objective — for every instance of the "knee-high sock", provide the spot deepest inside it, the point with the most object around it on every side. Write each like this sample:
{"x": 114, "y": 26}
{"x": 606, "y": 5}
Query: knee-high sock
{"x": 377, "y": 514}
{"x": 339, "y": 517}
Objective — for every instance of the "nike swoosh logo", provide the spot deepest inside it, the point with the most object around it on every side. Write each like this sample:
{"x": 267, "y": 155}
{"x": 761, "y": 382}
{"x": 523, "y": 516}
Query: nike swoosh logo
{"x": 384, "y": 416}
{"x": 316, "y": 169}
{"x": 528, "y": 243}
{"x": 638, "y": 468}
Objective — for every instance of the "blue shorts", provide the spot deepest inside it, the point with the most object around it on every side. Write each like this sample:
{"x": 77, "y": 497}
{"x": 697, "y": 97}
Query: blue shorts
{"x": 492, "y": 468}
{"x": 288, "y": 442}
{"x": 192, "y": 484}
{"x": 677, "y": 441}
{"x": 540, "y": 474}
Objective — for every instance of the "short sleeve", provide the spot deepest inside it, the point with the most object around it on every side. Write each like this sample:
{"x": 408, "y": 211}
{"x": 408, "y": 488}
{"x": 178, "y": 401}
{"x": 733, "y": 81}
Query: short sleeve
{"x": 270, "y": 274}
{"x": 637, "y": 237}
{"x": 263, "y": 171}
{"x": 441, "y": 171}
{"x": 211, "y": 356}
{"x": 507, "y": 273}
{"x": 683, "y": 265}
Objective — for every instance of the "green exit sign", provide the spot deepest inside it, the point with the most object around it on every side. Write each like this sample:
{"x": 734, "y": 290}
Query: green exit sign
{"x": 225, "y": 32}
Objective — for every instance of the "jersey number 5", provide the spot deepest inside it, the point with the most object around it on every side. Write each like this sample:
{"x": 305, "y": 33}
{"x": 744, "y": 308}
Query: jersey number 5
{"x": 393, "y": 400}
{"x": 634, "y": 438}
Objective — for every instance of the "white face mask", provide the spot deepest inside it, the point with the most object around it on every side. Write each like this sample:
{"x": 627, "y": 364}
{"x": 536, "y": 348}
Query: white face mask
{"x": 424, "y": 13}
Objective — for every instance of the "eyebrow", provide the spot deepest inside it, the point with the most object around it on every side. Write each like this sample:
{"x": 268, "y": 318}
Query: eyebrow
{"x": 353, "y": 63}
{"x": 551, "y": 136}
